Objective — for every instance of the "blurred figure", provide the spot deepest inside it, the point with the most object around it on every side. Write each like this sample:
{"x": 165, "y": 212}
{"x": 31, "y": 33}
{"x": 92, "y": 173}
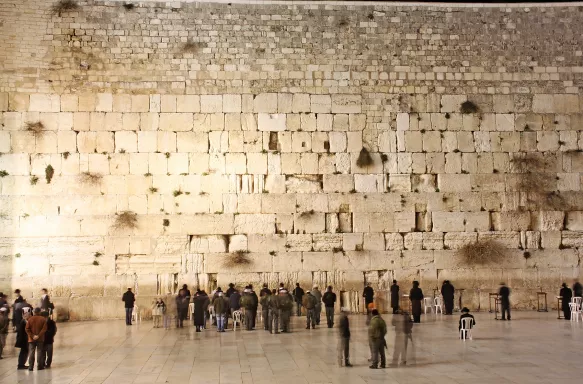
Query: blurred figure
{"x": 167, "y": 311}
{"x": 566, "y": 295}
{"x": 19, "y": 305}
{"x": 286, "y": 306}
{"x": 201, "y": 303}
{"x": 264, "y": 291}
{"x": 186, "y": 291}
{"x": 265, "y": 310}
{"x": 45, "y": 301}
{"x": 221, "y": 306}
{"x": 465, "y": 315}
{"x": 403, "y": 333}
{"x": 4, "y": 324}
{"x": 22, "y": 341}
{"x": 231, "y": 290}
{"x": 368, "y": 294}
{"x": 344, "y": 333}
{"x": 395, "y": 297}
{"x": 318, "y": 310}
{"x": 255, "y": 306}
{"x": 158, "y": 310}
{"x": 376, "y": 339}
{"x": 49, "y": 340}
{"x": 235, "y": 301}
{"x": 273, "y": 304}
{"x": 309, "y": 302}
{"x": 416, "y": 297}
{"x": 298, "y": 294}
{"x": 247, "y": 303}
{"x": 129, "y": 299}
{"x": 448, "y": 292}
{"x": 181, "y": 307}
{"x": 504, "y": 293}
{"x": 329, "y": 300}
{"x": 577, "y": 288}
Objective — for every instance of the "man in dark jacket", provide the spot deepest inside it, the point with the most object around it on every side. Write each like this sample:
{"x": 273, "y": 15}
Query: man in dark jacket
{"x": 566, "y": 295}
{"x": 376, "y": 338}
{"x": 504, "y": 294}
{"x": 255, "y": 305}
{"x": 201, "y": 303}
{"x": 129, "y": 299}
{"x": 265, "y": 298}
{"x": 36, "y": 327}
{"x": 45, "y": 302}
{"x": 4, "y": 325}
{"x": 298, "y": 294}
{"x": 230, "y": 290}
{"x": 248, "y": 304}
{"x": 447, "y": 292}
{"x": 310, "y": 302}
{"x": 416, "y": 297}
{"x": 264, "y": 291}
{"x": 368, "y": 294}
{"x": 329, "y": 300}
{"x": 285, "y": 305}
{"x": 181, "y": 308}
{"x": 221, "y": 306}
{"x": 344, "y": 348}
{"x": 395, "y": 297}
{"x": 577, "y": 288}
{"x": 274, "y": 312}
{"x": 22, "y": 341}
{"x": 49, "y": 340}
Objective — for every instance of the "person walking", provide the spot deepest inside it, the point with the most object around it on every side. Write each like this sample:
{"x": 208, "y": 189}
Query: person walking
{"x": 309, "y": 302}
{"x": 4, "y": 324}
{"x": 166, "y": 317}
{"x": 504, "y": 294}
{"x": 329, "y": 300}
{"x": 416, "y": 297}
{"x": 318, "y": 310}
{"x": 395, "y": 297}
{"x": 298, "y": 294}
{"x": 221, "y": 306}
{"x": 49, "y": 340}
{"x": 566, "y": 294}
{"x": 286, "y": 306}
{"x": 448, "y": 292}
{"x": 376, "y": 338}
{"x": 36, "y": 327}
{"x": 181, "y": 308}
{"x": 368, "y": 294}
{"x": 22, "y": 341}
{"x": 265, "y": 298}
{"x": 201, "y": 303}
{"x": 403, "y": 334}
{"x": 344, "y": 334}
{"x": 129, "y": 299}
{"x": 466, "y": 314}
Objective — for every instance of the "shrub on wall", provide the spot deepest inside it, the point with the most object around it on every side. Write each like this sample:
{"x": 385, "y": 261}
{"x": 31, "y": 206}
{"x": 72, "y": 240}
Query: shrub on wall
{"x": 482, "y": 252}
{"x": 126, "y": 220}
{"x": 236, "y": 258}
{"x": 63, "y": 6}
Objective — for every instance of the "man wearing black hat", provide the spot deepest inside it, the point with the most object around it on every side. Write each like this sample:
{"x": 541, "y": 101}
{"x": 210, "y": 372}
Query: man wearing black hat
{"x": 466, "y": 314}
{"x": 447, "y": 292}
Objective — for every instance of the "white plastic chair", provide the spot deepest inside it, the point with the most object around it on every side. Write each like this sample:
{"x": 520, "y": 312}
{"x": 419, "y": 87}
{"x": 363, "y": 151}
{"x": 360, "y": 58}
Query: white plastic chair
{"x": 438, "y": 304}
{"x": 466, "y": 329}
{"x": 136, "y": 315}
{"x": 577, "y": 300}
{"x": 428, "y": 303}
{"x": 575, "y": 311}
{"x": 237, "y": 319}
{"x": 212, "y": 313}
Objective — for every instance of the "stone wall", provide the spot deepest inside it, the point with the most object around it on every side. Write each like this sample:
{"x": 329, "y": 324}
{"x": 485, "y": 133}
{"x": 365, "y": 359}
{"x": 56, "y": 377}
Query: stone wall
{"x": 235, "y": 131}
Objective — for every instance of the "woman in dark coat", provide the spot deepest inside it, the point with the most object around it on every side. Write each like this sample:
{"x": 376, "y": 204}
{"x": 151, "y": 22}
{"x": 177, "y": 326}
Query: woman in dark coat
{"x": 201, "y": 303}
{"x": 416, "y": 297}
{"x": 566, "y": 295}
{"x": 395, "y": 297}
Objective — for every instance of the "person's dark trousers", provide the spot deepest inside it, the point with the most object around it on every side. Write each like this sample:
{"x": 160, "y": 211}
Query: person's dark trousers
{"x": 344, "y": 351}
{"x": 23, "y": 357}
{"x": 395, "y": 310}
{"x": 567, "y": 313}
{"x": 377, "y": 347}
{"x": 48, "y": 355}
{"x": 248, "y": 319}
{"x": 416, "y": 318}
{"x": 311, "y": 318}
{"x": 129, "y": 316}
{"x": 298, "y": 309}
{"x": 35, "y": 347}
{"x": 505, "y": 311}
{"x": 274, "y": 324}
{"x": 330, "y": 316}
{"x": 265, "y": 314}
{"x": 181, "y": 317}
{"x": 253, "y": 317}
{"x": 448, "y": 307}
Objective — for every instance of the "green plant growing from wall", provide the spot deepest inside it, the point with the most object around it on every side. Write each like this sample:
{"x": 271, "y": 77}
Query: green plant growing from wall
{"x": 153, "y": 190}
{"x": 237, "y": 258}
{"x": 192, "y": 46}
{"x": 37, "y": 128}
{"x": 177, "y": 193}
{"x": 64, "y": 6}
{"x": 482, "y": 252}
{"x": 3, "y": 173}
{"x": 49, "y": 173}
{"x": 128, "y": 6}
{"x": 33, "y": 180}
{"x": 126, "y": 220}
{"x": 17, "y": 255}
{"x": 364, "y": 158}
{"x": 468, "y": 107}
{"x": 66, "y": 155}
{"x": 90, "y": 178}
{"x": 165, "y": 222}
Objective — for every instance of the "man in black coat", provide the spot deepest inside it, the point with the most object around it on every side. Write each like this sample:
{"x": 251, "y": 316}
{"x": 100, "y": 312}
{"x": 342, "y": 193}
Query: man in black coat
{"x": 231, "y": 290}
{"x": 264, "y": 291}
{"x": 504, "y": 300}
{"x": 344, "y": 329}
{"x": 255, "y": 306}
{"x": 395, "y": 297}
{"x": 329, "y": 300}
{"x": 129, "y": 299}
{"x": 566, "y": 295}
{"x": 447, "y": 292}
{"x": 298, "y": 294}
{"x": 22, "y": 342}
{"x": 577, "y": 288}
{"x": 49, "y": 340}
{"x": 368, "y": 294}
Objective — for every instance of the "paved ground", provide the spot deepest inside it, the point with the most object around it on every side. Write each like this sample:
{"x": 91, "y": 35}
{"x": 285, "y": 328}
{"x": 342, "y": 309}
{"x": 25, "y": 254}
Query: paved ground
{"x": 533, "y": 348}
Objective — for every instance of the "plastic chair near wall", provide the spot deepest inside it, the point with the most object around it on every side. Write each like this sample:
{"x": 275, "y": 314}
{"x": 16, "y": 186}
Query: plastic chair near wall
{"x": 577, "y": 300}
{"x": 237, "y": 316}
{"x": 427, "y": 303}
{"x": 466, "y": 329}
{"x": 575, "y": 311}
{"x": 438, "y": 304}
{"x": 136, "y": 315}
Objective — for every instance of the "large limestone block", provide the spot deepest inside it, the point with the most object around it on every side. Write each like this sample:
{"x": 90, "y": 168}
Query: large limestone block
{"x": 308, "y": 222}
{"x": 45, "y": 103}
{"x": 346, "y": 103}
{"x": 208, "y": 224}
{"x": 338, "y": 183}
{"x": 287, "y": 262}
{"x": 254, "y": 223}
{"x": 321, "y": 103}
{"x": 507, "y": 239}
{"x": 317, "y": 261}
{"x": 265, "y": 103}
{"x": 448, "y": 221}
{"x": 211, "y": 103}
{"x": 571, "y": 239}
{"x": 176, "y": 122}
{"x": 454, "y": 183}
{"x": 456, "y": 240}
{"x": 303, "y": 184}
{"x": 301, "y": 103}
{"x": 299, "y": 242}
{"x": 511, "y": 221}
{"x": 452, "y": 103}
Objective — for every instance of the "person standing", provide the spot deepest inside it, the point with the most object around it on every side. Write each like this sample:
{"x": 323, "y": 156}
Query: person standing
{"x": 447, "y": 292}
{"x": 368, "y": 294}
{"x": 265, "y": 298}
{"x": 318, "y": 310}
{"x": 566, "y": 295}
{"x": 376, "y": 338}
{"x": 221, "y": 307}
{"x": 344, "y": 333}
{"x": 416, "y": 297}
{"x": 264, "y": 291}
{"x": 274, "y": 312}
{"x": 158, "y": 310}
{"x": 504, "y": 294}
{"x": 298, "y": 294}
{"x": 395, "y": 297}
{"x": 45, "y": 301}
{"x": 181, "y": 308}
{"x": 247, "y": 303}
{"x": 4, "y": 324}
{"x": 49, "y": 340}
{"x": 235, "y": 301}
{"x": 22, "y": 341}
{"x": 129, "y": 299}
{"x": 36, "y": 327}
{"x": 286, "y": 306}
{"x": 403, "y": 333}
{"x": 201, "y": 303}
{"x": 309, "y": 303}
{"x": 230, "y": 290}
{"x": 255, "y": 305}
{"x": 577, "y": 288}
{"x": 186, "y": 291}
{"x": 329, "y": 300}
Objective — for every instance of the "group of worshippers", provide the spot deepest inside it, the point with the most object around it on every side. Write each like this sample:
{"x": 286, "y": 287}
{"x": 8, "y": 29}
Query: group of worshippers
{"x": 34, "y": 327}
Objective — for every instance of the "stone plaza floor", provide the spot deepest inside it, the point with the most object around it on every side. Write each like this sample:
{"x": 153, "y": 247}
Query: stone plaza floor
{"x": 532, "y": 348}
